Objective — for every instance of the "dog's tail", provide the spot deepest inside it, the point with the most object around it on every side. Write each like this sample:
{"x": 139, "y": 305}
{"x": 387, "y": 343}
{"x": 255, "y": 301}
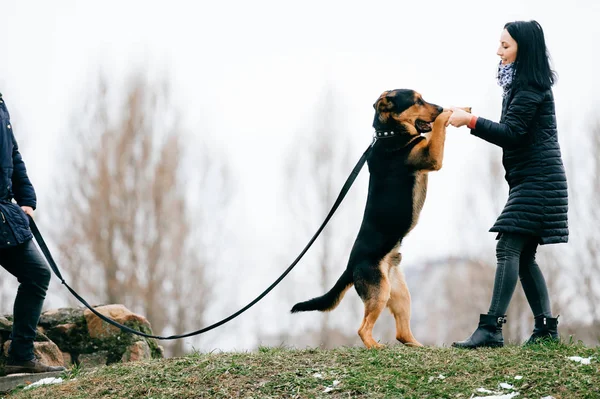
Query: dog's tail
{"x": 331, "y": 299}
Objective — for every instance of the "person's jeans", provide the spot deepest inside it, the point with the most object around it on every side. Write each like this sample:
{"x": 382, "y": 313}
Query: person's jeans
{"x": 515, "y": 254}
{"x": 25, "y": 262}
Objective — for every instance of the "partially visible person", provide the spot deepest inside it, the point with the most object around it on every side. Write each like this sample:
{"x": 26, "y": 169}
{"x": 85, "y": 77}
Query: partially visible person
{"x": 536, "y": 210}
{"x": 18, "y": 254}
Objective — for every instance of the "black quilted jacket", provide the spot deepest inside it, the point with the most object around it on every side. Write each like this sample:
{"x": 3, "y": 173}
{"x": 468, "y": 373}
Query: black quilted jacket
{"x": 538, "y": 200}
{"x": 14, "y": 184}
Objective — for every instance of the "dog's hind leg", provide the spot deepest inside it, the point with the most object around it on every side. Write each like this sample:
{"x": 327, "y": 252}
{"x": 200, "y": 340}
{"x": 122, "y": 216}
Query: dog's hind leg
{"x": 399, "y": 305}
{"x": 373, "y": 308}
{"x": 373, "y": 287}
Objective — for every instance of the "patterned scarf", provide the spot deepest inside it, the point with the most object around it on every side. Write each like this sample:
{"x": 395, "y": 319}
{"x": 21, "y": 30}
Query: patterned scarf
{"x": 506, "y": 72}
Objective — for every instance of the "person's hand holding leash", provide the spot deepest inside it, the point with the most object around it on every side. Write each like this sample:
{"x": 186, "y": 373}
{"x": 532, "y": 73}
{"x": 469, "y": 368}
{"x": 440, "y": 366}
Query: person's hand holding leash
{"x": 28, "y": 210}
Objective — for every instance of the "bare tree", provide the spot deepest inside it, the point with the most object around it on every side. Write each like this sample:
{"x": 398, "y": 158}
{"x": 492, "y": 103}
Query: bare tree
{"x": 127, "y": 233}
{"x": 583, "y": 169}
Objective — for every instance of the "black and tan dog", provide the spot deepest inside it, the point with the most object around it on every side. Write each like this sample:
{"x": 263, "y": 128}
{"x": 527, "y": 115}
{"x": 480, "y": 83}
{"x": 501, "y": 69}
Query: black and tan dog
{"x": 398, "y": 166}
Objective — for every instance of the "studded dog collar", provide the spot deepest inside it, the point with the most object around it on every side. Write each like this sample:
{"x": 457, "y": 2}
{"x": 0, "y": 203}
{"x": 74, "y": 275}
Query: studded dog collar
{"x": 385, "y": 134}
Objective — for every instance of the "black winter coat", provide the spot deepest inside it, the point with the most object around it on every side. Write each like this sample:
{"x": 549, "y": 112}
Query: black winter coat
{"x": 14, "y": 183}
{"x": 538, "y": 200}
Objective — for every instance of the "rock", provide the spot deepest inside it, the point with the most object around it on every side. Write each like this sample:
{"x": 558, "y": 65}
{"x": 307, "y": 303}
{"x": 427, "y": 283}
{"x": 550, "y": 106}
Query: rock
{"x": 5, "y": 329}
{"x": 119, "y": 313}
{"x": 65, "y": 328}
{"x": 95, "y": 359}
{"x": 140, "y": 350}
{"x": 55, "y": 317}
{"x": 47, "y": 352}
{"x": 159, "y": 352}
{"x": 67, "y": 359}
{"x": 72, "y": 337}
{"x": 40, "y": 335}
{"x": 69, "y": 336}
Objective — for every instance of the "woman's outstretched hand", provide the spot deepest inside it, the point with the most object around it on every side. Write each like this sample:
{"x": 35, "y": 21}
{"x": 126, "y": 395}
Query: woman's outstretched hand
{"x": 459, "y": 117}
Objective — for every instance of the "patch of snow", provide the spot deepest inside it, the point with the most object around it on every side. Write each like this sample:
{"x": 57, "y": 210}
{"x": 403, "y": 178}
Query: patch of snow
{"x": 332, "y": 387}
{"x": 44, "y": 381}
{"x": 504, "y": 385}
{"x": 518, "y": 377}
{"x": 582, "y": 360}
{"x": 507, "y": 396}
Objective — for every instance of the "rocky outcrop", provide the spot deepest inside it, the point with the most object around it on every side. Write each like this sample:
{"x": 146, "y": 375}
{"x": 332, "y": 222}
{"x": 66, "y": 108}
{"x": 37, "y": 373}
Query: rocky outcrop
{"x": 77, "y": 336}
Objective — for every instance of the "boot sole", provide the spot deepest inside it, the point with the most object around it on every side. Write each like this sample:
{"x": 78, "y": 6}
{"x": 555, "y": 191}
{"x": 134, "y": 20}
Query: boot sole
{"x": 26, "y": 370}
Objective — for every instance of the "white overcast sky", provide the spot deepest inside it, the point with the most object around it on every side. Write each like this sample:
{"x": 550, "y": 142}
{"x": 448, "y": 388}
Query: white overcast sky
{"x": 249, "y": 74}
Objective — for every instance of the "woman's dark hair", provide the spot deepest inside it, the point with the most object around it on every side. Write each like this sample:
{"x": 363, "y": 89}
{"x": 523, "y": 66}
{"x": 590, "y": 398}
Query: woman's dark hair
{"x": 532, "y": 65}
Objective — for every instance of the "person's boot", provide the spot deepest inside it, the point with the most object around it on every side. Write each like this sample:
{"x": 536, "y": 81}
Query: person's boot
{"x": 29, "y": 366}
{"x": 488, "y": 333}
{"x": 545, "y": 329}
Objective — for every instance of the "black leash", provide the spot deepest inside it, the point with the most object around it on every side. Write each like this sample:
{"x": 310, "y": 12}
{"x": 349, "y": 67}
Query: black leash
{"x": 338, "y": 201}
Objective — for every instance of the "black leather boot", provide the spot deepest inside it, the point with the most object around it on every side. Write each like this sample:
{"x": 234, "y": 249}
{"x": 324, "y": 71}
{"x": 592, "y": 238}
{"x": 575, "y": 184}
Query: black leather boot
{"x": 488, "y": 333}
{"x": 545, "y": 329}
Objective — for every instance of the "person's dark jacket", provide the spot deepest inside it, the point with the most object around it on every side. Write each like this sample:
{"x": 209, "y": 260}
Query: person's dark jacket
{"x": 538, "y": 200}
{"x": 14, "y": 185}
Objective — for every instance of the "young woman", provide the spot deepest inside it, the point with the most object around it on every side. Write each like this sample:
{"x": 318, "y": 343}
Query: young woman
{"x": 536, "y": 210}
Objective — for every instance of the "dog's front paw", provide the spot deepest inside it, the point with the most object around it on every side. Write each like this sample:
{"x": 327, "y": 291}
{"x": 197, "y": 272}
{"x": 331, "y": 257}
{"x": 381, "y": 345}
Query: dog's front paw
{"x": 442, "y": 119}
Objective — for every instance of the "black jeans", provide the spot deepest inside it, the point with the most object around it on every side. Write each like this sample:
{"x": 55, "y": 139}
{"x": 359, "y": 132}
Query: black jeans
{"x": 26, "y": 263}
{"x": 515, "y": 254}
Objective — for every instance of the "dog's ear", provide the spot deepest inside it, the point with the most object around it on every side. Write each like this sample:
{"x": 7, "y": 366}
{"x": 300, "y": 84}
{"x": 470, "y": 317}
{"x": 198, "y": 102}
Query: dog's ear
{"x": 383, "y": 104}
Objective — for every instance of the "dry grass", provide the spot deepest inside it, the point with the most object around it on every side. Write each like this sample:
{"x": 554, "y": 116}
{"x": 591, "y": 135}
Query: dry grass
{"x": 396, "y": 372}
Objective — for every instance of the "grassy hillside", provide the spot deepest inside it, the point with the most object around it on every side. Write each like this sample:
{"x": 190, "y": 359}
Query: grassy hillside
{"x": 395, "y": 372}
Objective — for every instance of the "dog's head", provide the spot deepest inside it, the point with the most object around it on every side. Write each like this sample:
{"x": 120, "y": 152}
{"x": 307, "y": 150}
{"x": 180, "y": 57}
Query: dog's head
{"x": 404, "y": 111}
